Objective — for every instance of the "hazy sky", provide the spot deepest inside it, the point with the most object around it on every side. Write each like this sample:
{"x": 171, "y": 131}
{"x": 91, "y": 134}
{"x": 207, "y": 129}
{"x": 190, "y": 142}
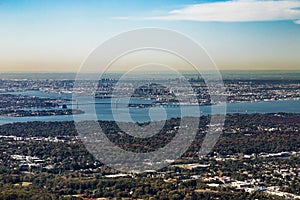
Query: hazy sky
{"x": 55, "y": 36}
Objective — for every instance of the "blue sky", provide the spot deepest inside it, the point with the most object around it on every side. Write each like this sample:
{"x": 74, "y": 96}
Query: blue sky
{"x": 58, "y": 35}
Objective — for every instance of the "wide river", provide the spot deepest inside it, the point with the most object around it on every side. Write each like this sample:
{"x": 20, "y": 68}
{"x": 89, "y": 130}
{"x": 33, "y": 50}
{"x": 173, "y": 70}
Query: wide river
{"x": 103, "y": 109}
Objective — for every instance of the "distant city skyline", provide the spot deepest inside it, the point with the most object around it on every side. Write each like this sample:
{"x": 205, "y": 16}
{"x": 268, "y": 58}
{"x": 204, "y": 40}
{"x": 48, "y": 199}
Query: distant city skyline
{"x": 57, "y": 36}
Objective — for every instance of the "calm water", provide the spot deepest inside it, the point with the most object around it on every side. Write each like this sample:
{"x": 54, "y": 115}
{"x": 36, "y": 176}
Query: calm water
{"x": 226, "y": 74}
{"x": 104, "y": 110}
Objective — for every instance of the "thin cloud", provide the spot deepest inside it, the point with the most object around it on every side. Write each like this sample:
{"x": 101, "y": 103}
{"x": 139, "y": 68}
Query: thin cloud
{"x": 234, "y": 11}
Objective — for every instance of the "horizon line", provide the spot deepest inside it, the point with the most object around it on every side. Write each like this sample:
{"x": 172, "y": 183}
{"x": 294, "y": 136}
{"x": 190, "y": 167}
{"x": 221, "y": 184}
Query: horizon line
{"x": 65, "y": 72}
